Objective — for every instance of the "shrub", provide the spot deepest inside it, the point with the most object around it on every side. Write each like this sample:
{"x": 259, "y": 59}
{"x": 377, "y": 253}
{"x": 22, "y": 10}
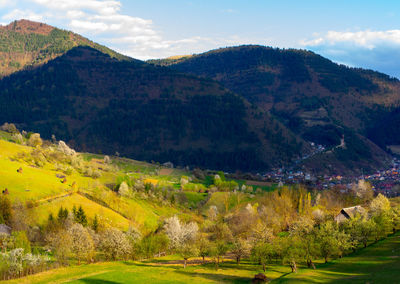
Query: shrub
{"x": 9, "y": 127}
{"x": 35, "y": 140}
{"x": 17, "y": 138}
{"x": 62, "y": 147}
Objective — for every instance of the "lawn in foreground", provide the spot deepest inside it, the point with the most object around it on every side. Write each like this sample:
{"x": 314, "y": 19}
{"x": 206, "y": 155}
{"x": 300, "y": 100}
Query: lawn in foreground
{"x": 379, "y": 263}
{"x": 136, "y": 272}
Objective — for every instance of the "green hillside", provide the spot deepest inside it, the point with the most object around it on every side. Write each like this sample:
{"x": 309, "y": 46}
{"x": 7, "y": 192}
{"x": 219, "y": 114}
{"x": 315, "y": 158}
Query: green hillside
{"x": 40, "y": 186}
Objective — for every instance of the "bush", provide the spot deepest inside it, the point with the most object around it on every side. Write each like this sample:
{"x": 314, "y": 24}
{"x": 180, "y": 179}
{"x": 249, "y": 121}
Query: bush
{"x": 35, "y": 140}
{"x": 9, "y": 127}
{"x": 17, "y": 138}
{"x": 62, "y": 147}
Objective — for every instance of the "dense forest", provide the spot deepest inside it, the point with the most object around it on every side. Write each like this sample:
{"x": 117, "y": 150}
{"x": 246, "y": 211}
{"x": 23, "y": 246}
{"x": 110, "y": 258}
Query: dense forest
{"x": 313, "y": 96}
{"x": 151, "y": 113}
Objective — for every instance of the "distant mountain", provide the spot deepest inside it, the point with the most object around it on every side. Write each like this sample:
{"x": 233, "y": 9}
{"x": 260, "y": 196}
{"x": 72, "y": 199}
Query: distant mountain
{"x": 314, "y": 97}
{"x": 246, "y": 108}
{"x": 25, "y": 44}
{"x": 101, "y": 104}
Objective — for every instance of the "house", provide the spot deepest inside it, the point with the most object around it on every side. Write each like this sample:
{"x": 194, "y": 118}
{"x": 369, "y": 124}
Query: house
{"x": 348, "y": 213}
{"x": 4, "y": 229}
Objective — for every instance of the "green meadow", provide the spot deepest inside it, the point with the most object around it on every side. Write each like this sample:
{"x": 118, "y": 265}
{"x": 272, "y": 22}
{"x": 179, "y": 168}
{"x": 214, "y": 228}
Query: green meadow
{"x": 378, "y": 263}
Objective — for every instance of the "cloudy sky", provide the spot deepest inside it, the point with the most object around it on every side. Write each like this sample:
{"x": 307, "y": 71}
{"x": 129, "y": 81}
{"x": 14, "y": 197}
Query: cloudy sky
{"x": 357, "y": 33}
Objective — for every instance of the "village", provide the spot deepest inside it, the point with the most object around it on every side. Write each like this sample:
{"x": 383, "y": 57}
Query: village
{"x": 385, "y": 181}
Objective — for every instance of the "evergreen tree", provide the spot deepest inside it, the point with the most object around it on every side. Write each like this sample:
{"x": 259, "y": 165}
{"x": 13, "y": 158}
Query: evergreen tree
{"x": 5, "y": 210}
{"x": 62, "y": 215}
{"x": 80, "y": 216}
{"x": 74, "y": 211}
{"x": 95, "y": 225}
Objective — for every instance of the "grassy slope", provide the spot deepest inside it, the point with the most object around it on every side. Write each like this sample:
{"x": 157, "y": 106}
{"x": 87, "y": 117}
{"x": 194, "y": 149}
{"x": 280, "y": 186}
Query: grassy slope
{"x": 379, "y": 263}
{"x": 26, "y": 186}
{"x": 41, "y": 186}
{"x": 91, "y": 208}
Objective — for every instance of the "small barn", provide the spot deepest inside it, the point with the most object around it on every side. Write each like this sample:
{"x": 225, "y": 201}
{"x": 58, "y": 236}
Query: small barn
{"x": 4, "y": 229}
{"x": 349, "y": 213}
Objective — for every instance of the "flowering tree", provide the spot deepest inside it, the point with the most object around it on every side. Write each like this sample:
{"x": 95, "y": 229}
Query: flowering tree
{"x": 115, "y": 244}
{"x": 82, "y": 244}
{"x": 182, "y": 237}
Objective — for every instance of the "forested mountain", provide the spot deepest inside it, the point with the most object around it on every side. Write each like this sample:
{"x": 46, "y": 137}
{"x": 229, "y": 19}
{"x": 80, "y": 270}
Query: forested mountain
{"x": 25, "y": 44}
{"x": 315, "y": 97}
{"x": 248, "y": 107}
{"x": 100, "y": 104}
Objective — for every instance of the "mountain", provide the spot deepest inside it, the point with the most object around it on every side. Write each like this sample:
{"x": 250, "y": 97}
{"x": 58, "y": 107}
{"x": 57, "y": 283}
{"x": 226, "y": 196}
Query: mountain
{"x": 316, "y": 98}
{"x": 245, "y": 108}
{"x": 101, "y": 104}
{"x": 25, "y": 44}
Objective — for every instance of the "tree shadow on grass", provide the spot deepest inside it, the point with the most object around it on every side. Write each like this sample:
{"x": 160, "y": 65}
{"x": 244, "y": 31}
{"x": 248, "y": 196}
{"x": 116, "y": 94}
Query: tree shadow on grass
{"x": 220, "y": 278}
{"x": 155, "y": 265}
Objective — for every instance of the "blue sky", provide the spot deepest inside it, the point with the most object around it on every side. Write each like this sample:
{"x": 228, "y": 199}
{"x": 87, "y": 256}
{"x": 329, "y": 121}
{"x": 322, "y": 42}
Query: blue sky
{"x": 356, "y": 33}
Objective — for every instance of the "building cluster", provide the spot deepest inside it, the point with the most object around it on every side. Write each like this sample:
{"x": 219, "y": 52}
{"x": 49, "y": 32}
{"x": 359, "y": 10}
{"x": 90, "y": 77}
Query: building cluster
{"x": 385, "y": 181}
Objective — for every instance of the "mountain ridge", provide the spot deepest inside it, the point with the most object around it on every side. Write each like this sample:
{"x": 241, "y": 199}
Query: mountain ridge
{"x": 315, "y": 97}
{"x": 97, "y": 102}
{"x": 26, "y": 44}
{"x": 247, "y": 107}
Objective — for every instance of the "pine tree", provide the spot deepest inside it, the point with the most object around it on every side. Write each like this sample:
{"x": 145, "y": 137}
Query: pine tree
{"x": 95, "y": 225}
{"x": 65, "y": 213}
{"x": 74, "y": 211}
{"x": 81, "y": 216}
{"x": 5, "y": 210}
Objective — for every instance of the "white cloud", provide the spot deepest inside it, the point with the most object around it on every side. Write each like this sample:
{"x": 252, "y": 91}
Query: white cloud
{"x": 377, "y": 50}
{"x": 368, "y": 39}
{"x": 103, "y": 21}
{"x": 108, "y": 7}
{"x": 17, "y": 14}
{"x": 5, "y": 3}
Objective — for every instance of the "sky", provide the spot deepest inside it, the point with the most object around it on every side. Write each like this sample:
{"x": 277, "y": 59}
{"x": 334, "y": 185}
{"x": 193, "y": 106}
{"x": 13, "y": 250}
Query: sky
{"x": 352, "y": 32}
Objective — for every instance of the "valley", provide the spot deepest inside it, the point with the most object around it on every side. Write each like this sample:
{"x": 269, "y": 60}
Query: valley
{"x": 243, "y": 164}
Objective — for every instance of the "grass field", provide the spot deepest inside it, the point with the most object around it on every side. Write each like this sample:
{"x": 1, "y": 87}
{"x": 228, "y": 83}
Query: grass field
{"x": 42, "y": 186}
{"x": 106, "y": 216}
{"x": 379, "y": 263}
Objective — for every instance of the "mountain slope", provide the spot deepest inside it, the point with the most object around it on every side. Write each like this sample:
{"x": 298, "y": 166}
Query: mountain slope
{"x": 98, "y": 103}
{"x": 26, "y": 44}
{"x": 296, "y": 81}
{"x": 313, "y": 96}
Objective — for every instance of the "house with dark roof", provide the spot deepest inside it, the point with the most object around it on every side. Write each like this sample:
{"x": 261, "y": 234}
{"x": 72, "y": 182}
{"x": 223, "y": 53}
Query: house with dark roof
{"x": 349, "y": 213}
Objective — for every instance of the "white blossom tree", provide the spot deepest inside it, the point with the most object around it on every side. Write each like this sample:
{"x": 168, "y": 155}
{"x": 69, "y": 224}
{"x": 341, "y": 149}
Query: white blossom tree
{"x": 82, "y": 244}
{"x": 115, "y": 244}
{"x": 182, "y": 237}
